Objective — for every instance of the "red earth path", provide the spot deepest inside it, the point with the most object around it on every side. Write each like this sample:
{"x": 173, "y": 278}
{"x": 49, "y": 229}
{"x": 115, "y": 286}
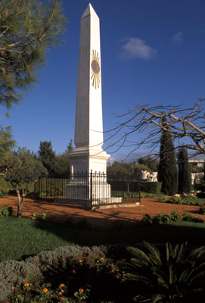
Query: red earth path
{"x": 72, "y": 211}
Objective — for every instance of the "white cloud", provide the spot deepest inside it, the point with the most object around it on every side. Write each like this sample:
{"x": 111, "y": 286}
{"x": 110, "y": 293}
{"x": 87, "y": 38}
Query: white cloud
{"x": 138, "y": 48}
{"x": 178, "y": 38}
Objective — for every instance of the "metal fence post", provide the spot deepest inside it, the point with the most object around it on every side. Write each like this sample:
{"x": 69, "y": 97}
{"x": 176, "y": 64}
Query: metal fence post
{"x": 91, "y": 188}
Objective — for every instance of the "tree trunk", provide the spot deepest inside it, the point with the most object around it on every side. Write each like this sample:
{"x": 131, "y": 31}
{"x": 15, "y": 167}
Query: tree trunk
{"x": 20, "y": 203}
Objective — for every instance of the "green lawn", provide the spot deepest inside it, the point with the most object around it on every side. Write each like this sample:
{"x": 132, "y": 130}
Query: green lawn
{"x": 20, "y": 238}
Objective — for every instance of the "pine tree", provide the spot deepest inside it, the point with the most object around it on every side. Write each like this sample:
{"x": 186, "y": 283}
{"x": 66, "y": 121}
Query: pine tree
{"x": 167, "y": 171}
{"x": 184, "y": 174}
{"x": 48, "y": 157}
{"x": 27, "y": 29}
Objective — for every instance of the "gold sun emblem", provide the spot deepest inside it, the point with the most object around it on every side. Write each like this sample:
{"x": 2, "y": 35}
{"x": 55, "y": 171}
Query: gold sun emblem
{"x": 95, "y": 70}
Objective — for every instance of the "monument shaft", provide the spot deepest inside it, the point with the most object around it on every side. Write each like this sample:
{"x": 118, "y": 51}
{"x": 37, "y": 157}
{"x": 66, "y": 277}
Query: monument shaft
{"x": 89, "y": 124}
{"x": 88, "y": 154}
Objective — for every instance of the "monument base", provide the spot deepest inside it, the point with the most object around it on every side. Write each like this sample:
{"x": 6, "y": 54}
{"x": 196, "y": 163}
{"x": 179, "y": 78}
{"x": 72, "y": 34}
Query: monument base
{"x": 91, "y": 194}
{"x": 89, "y": 178}
{"x": 87, "y": 159}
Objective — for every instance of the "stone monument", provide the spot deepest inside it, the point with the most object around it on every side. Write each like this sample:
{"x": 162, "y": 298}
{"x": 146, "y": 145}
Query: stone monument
{"x": 88, "y": 155}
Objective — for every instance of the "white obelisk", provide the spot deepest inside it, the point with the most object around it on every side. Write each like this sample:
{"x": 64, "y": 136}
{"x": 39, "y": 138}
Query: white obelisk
{"x": 88, "y": 154}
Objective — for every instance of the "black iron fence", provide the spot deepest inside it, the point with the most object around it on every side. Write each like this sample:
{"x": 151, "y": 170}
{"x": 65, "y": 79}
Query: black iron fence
{"x": 93, "y": 189}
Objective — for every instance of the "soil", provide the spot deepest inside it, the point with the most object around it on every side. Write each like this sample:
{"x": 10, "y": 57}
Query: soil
{"x": 65, "y": 211}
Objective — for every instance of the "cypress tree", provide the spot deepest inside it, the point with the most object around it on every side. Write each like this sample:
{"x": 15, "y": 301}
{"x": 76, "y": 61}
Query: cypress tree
{"x": 167, "y": 171}
{"x": 184, "y": 174}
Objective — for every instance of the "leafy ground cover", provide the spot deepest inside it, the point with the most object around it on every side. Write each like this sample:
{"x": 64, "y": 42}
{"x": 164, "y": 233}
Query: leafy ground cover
{"x": 144, "y": 273}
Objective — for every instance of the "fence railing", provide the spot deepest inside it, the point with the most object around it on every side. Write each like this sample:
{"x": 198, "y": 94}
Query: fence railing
{"x": 92, "y": 189}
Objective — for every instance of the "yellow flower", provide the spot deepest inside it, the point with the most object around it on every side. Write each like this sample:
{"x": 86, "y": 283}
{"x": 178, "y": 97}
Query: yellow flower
{"x": 26, "y": 284}
{"x": 81, "y": 290}
{"x": 45, "y": 290}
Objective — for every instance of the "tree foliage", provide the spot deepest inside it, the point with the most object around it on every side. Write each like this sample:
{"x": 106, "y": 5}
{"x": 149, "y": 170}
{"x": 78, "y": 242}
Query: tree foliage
{"x": 62, "y": 167}
{"x": 167, "y": 171}
{"x": 57, "y": 165}
{"x": 27, "y": 29}
{"x": 121, "y": 170}
{"x": 6, "y": 145}
{"x": 150, "y": 162}
{"x": 47, "y": 157}
{"x": 23, "y": 169}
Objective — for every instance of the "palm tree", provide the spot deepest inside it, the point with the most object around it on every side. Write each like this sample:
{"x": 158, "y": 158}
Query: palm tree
{"x": 170, "y": 274}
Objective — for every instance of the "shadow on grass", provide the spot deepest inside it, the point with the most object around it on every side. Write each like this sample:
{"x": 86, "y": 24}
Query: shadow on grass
{"x": 97, "y": 231}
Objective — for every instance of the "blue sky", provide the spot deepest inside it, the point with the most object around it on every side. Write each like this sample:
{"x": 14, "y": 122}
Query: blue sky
{"x": 153, "y": 52}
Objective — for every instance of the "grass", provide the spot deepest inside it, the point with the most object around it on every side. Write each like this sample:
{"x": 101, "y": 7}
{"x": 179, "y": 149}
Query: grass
{"x": 20, "y": 238}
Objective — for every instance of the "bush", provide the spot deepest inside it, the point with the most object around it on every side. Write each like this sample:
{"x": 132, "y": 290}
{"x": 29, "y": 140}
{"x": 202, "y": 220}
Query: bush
{"x": 6, "y": 211}
{"x": 188, "y": 200}
{"x": 201, "y": 195}
{"x": 170, "y": 219}
{"x": 158, "y": 219}
{"x": 81, "y": 270}
{"x": 151, "y": 187}
{"x": 46, "y": 265}
{"x": 200, "y": 187}
{"x": 147, "y": 219}
{"x": 162, "y": 219}
{"x": 171, "y": 199}
{"x": 189, "y": 218}
{"x": 39, "y": 216}
{"x": 175, "y": 217}
{"x": 166, "y": 273}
